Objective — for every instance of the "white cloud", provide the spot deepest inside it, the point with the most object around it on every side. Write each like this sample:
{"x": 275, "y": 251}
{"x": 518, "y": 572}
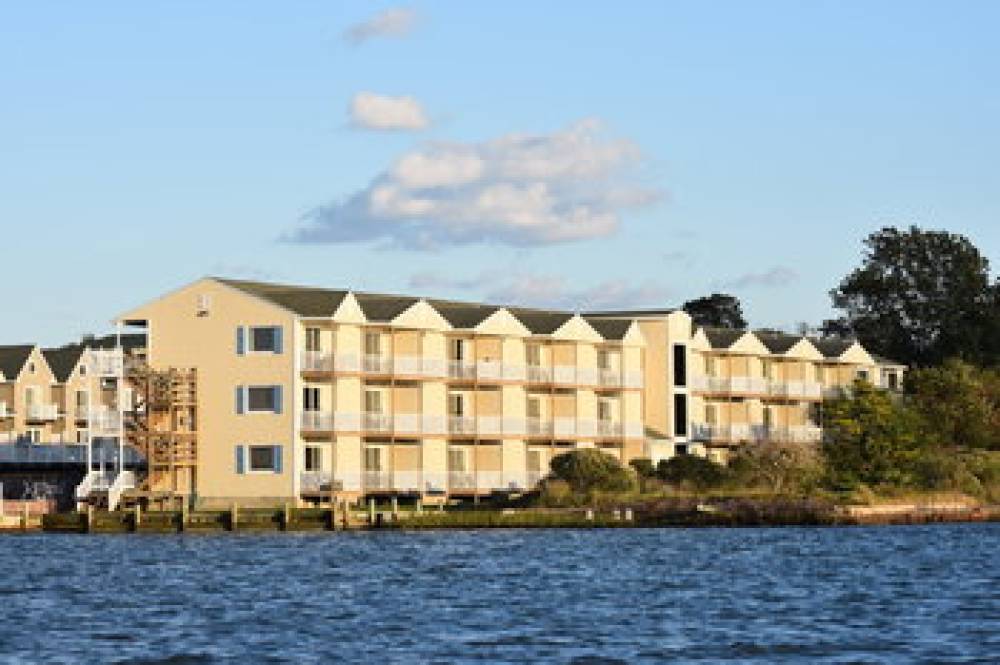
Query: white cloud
{"x": 395, "y": 22}
{"x": 518, "y": 189}
{"x": 541, "y": 290}
{"x": 370, "y": 110}
{"x": 775, "y": 277}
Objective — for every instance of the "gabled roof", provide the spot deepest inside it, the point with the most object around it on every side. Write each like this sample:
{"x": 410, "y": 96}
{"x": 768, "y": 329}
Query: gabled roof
{"x": 303, "y": 300}
{"x": 13, "y": 358}
{"x": 833, "y": 347}
{"x": 630, "y": 313}
{"x": 383, "y": 308}
{"x": 610, "y": 329}
{"x": 63, "y": 360}
{"x": 539, "y": 321}
{"x": 778, "y": 342}
{"x": 722, "y": 338}
{"x": 463, "y": 315}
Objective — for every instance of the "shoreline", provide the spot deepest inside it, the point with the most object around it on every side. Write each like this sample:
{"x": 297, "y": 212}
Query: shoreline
{"x": 718, "y": 514}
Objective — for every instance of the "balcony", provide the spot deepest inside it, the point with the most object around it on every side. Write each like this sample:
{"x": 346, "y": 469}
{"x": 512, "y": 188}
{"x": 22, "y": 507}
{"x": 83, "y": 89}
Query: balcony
{"x": 318, "y": 481}
{"x": 757, "y": 433}
{"x": 538, "y": 374}
{"x": 41, "y": 412}
{"x": 609, "y": 378}
{"x": 107, "y": 362}
{"x": 609, "y": 428}
{"x": 479, "y": 481}
{"x": 795, "y": 389}
{"x": 5, "y": 412}
{"x": 380, "y": 423}
{"x": 461, "y": 425}
{"x": 103, "y": 421}
{"x": 539, "y": 427}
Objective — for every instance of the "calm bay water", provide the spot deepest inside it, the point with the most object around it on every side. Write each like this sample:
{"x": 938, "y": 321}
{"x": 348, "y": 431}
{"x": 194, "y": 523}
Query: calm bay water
{"x": 890, "y": 594}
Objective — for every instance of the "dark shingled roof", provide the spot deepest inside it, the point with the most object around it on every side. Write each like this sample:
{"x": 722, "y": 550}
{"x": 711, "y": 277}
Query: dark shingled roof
{"x": 463, "y": 315}
{"x": 722, "y": 338}
{"x": 63, "y": 360}
{"x": 540, "y": 322}
{"x": 317, "y": 302}
{"x": 378, "y": 307}
{"x": 12, "y": 359}
{"x": 614, "y": 329}
{"x": 778, "y": 342}
{"x": 303, "y": 300}
{"x": 832, "y": 347}
{"x": 631, "y": 313}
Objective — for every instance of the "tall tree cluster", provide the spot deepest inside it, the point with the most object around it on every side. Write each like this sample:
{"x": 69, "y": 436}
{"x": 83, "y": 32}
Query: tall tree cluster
{"x": 920, "y": 297}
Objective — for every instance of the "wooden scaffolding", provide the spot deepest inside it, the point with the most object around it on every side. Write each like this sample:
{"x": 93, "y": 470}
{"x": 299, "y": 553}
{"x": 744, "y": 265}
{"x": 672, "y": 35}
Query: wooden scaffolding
{"x": 164, "y": 428}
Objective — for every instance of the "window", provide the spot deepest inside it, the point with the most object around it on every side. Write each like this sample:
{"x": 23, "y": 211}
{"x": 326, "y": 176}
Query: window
{"x": 603, "y": 359}
{"x": 892, "y": 381}
{"x": 310, "y": 399}
{"x": 456, "y": 404}
{"x": 766, "y": 368}
{"x": 863, "y": 374}
{"x": 82, "y": 436}
{"x": 31, "y": 368}
{"x": 711, "y": 414}
{"x": 604, "y": 410}
{"x": 260, "y": 399}
{"x": 204, "y": 304}
{"x": 456, "y": 460}
{"x": 373, "y": 459}
{"x": 313, "y": 341}
{"x": 81, "y": 399}
{"x": 83, "y": 370}
{"x": 768, "y": 417}
{"x": 680, "y": 415}
{"x": 314, "y": 458}
{"x": 680, "y": 365}
{"x": 710, "y": 366}
{"x": 534, "y": 407}
{"x": 533, "y": 354}
{"x": 456, "y": 349}
{"x": 534, "y": 461}
{"x": 373, "y": 401}
{"x": 264, "y": 339}
{"x": 373, "y": 344}
{"x": 265, "y": 458}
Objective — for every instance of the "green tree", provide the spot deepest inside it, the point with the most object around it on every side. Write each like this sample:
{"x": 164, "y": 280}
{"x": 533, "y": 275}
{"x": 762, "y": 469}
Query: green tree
{"x": 869, "y": 438}
{"x": 780, "y": 467}
{"x": 719, "y": 310}
{"x": 693, "y": 470}
{"x": 920, "y": 297}
{"x": 589, "y": 469}
{"x": 959, "y": 403}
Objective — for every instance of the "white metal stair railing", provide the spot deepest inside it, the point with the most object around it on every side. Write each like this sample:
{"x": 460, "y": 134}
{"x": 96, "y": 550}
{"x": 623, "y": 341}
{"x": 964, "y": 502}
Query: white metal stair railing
{"x": 123, "y": 481}
{"x": 87, "y": 485}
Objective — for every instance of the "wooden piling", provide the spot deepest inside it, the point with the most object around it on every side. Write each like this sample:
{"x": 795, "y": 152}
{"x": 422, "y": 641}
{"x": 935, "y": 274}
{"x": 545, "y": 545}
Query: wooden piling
{"x": 234, "y": 516}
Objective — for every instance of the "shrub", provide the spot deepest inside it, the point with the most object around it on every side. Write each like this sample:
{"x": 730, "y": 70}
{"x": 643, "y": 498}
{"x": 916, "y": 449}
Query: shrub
{"x": 643, "y": 467}
{"x": 699, "y": 472}
{"x": 589, "y": 469}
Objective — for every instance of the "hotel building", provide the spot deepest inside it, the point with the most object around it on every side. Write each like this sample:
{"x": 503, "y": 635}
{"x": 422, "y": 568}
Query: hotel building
{"x": 307, "y": 392}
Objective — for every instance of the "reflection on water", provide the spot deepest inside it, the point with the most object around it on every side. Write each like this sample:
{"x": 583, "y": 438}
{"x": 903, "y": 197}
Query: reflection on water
{"x": 890, "y": 594}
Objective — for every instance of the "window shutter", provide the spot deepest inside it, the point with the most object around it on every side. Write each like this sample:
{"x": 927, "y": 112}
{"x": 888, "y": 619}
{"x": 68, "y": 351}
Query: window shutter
{"x": 241, "y": 340}
{"x": 277, "y": 459}
{"x": 277, "y": 399}
{"x": 277, "y": 339}
{"x": 240, "y": 468}
{"x": 239, "y": 400}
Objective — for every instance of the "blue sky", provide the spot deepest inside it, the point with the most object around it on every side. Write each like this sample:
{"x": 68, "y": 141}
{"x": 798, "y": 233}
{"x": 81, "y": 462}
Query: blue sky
{"x": 575, "y": 154}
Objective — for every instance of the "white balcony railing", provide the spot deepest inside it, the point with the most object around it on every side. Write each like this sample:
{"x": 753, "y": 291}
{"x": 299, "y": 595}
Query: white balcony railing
{"x": 317, "y": 361}
{"x": 38, "y": 412}
{"x": 538, "y": 374}
{"x": 4, "y": 411}
{"x": 107, "y": 362}
{"x": 609, "y": 378}
{"x": 458, "y": 369}
{"x": 609, "y": 428}
{"x": 376, "y": 364}
{"x": 461, "y": 425}
{"x": 407, "y": 423}
{"x": 539, "y": 427}
{"x": 103, "y": 421}
{"x": 376, "y": 422}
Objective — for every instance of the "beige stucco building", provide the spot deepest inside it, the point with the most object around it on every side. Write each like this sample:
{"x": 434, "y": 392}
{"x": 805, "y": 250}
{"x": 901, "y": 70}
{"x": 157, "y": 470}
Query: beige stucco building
{"x": 306, "y": 391}
{"x": 59, "y": 395}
